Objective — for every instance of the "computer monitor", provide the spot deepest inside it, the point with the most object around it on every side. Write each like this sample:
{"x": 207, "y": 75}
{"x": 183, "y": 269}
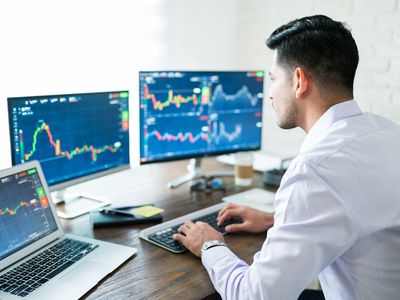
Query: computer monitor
{"x": 187, "y": 114}
{"x": 76, "y": 137}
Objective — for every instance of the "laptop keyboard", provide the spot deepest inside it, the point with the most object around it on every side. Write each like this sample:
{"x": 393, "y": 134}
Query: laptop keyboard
{"x": 36, "y": 271}
{"x": 164, "y": 237}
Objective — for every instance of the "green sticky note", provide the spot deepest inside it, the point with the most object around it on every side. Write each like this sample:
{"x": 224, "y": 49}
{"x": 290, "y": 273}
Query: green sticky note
{"x": 147, "y": 211}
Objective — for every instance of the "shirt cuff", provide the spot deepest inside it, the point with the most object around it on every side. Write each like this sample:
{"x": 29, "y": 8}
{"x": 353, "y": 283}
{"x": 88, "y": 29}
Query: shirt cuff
{"x": 214, "y": 254}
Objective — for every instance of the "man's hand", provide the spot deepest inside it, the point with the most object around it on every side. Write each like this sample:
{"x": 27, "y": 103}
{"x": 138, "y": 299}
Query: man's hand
{"x": 193, "y": 235}
{"x": 254, "y": 220}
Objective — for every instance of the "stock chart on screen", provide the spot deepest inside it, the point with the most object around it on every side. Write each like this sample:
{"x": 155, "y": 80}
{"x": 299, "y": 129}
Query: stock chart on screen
{"x": 71, "y": 135}
{"x": 189, "y": 114}
{"x": 25, "y": 213}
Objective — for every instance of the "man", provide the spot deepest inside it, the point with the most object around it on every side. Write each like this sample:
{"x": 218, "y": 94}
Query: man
{"x": 337, "y": 211}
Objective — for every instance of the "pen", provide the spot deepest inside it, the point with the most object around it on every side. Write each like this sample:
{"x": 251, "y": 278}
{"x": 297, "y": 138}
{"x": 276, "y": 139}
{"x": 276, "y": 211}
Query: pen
{"x": 116, "y": 212}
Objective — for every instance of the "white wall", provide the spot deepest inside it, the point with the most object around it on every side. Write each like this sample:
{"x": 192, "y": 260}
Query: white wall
{"x": 376, "y": 28}
{"x": 62, "y": 46}
{"x": 69, "y": 46}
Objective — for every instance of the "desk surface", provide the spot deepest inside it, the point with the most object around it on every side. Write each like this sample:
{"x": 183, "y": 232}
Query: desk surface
{"x": 154, "y": 272}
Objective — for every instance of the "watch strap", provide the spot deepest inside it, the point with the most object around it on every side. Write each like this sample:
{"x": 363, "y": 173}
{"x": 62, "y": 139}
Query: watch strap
{"x": 210, "y": 244}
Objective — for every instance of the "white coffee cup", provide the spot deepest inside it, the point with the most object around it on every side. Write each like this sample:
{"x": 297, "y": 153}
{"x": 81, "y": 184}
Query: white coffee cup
{"x": 243, "y": 168}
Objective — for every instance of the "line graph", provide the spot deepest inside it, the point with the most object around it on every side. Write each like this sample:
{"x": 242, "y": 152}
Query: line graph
{"x": 180, "y": 137}
{"x": 219, "y": 133}
{"x": 57, "y": 146}
{"x": 235, "y": 130}
{"x": 176, "y": 100}
{"x": 240, "y": 100}
{"x": 187, "y": 134}
{"x": 11, "y": 212}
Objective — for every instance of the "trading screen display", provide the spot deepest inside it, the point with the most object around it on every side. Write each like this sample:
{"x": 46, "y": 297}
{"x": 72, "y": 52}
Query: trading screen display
{"x": 189, "y": 114}
{"x": 71, "y": 135}
{"x": 25, "y": 213}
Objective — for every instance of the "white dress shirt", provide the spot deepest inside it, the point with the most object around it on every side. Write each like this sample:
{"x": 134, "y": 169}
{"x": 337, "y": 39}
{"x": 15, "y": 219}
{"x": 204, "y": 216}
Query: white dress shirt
{"x": 337, "y": 215}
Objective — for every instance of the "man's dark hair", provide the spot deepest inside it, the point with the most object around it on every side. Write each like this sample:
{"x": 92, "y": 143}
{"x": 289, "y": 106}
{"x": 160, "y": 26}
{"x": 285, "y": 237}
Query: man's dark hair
{"x": 323, "y": 47}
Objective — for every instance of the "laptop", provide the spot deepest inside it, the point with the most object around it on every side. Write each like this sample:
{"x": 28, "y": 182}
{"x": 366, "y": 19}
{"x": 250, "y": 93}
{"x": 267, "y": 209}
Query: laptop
{"x": 37, "y": 259}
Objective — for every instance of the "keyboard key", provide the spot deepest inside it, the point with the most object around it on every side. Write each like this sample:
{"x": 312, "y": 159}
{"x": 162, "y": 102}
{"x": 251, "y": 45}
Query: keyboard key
{"x": 59, "y": 270}
{"x": 4, "y": 286}
{"x": 35, "y": 285}
{"x": 29, "y": 289}
{"x": 11, "y": 288}
{"x": 43, "y": 280}
{"x": 19, "y": 289}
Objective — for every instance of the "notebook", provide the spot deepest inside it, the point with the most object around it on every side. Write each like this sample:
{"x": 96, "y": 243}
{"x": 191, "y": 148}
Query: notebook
{"x": 37, "y": 259}
{"x": 256, "y": 198}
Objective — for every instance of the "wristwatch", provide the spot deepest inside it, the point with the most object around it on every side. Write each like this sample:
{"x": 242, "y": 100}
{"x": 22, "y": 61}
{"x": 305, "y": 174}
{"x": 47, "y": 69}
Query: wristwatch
{"x": 210, "y": 244}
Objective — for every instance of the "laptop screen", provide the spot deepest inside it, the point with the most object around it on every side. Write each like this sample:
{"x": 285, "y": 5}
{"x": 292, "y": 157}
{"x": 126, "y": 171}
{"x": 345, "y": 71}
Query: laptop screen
{"x": 25, "y": 213}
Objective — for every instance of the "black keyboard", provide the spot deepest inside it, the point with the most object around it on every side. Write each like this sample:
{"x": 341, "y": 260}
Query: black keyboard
{"x": 36, "y": 271}
{"x": 164, "y": 237}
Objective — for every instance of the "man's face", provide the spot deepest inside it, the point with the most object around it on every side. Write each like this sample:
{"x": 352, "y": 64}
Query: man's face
{"x": 281, "y": 93}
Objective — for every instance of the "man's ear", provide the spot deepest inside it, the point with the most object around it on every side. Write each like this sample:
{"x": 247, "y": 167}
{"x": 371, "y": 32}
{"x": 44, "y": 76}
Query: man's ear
{"x": 301, "y": 82}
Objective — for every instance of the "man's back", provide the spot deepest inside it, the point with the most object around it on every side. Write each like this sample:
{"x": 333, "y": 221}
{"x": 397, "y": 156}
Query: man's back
{"x": 356, "y": 158}
{"x": 337, "y": 211}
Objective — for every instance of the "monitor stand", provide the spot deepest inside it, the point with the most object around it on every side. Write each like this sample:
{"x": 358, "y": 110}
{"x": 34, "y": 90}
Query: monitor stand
{"x": 61, "y": 196}
{"x": 195, "y": 172}
{"x": 72, "y": 205}
{"x": 58, "y": 196}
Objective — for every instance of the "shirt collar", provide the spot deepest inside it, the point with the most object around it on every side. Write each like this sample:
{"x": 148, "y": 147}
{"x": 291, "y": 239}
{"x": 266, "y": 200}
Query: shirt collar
{"x": 335, "y": 113}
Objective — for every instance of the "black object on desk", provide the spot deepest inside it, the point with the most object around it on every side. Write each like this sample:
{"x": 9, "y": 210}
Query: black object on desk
{"x": 274, "y": 177}
{"x": 114, "y": 216}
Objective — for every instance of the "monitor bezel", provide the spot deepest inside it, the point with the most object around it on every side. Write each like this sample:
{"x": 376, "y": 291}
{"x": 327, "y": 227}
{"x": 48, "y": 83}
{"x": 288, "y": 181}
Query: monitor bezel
{"x": 200, "y": 155}
{"x": 76, "y": 180}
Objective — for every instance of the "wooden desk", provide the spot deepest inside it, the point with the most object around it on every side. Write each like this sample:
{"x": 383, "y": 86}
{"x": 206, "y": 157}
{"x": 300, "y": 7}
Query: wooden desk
{"x": 155, "y": 273}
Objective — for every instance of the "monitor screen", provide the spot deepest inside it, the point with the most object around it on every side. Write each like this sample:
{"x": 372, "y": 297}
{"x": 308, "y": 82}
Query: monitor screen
{"x": 73, "y": 136}
{"x": 192, "y": 114}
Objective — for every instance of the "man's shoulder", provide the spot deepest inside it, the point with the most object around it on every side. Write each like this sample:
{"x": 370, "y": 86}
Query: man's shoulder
{"x": 352, "y": 135}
